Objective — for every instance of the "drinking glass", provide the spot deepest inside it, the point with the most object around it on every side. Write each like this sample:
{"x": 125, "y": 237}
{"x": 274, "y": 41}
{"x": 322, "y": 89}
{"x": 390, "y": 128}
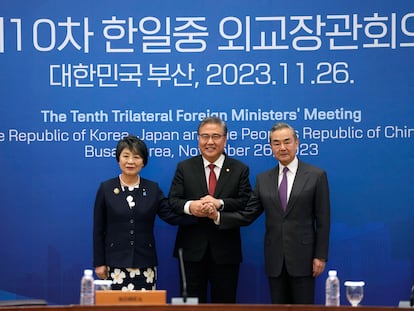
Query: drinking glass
{"x": 354, "y": 292}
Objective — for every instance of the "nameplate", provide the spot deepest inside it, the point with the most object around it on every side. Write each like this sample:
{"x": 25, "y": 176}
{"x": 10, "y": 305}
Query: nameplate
{"x": 116, "y": 297}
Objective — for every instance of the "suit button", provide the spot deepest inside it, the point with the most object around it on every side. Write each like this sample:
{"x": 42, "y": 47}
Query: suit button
{"x": 132, "y": 232}
{"x": 131, "y": 242}
{"x": 131, "y": 221}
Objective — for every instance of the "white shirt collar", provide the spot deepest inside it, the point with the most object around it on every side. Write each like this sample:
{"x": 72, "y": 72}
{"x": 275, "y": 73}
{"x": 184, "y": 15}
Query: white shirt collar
{"x": 219, "y": 162}
{"x": 292, "y": 166}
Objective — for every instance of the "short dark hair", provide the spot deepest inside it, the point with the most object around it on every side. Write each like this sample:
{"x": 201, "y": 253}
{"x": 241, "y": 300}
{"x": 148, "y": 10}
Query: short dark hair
{"x": 135, "y": 145}
{"x": 280, "y": 126}
{"x": 213, "y": 120}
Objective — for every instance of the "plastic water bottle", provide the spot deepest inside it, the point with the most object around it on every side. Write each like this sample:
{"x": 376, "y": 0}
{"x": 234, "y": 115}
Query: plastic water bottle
{"x": 87, "y": 294}
{"x": 332, "y": 289}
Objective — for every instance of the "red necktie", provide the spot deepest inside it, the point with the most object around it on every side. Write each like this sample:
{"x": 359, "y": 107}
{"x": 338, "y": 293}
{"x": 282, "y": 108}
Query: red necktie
{"x": 212, "y": 180}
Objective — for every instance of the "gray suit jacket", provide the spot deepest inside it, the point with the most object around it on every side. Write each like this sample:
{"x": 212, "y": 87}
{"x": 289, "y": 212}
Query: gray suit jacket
{"x": 297, "y": 235}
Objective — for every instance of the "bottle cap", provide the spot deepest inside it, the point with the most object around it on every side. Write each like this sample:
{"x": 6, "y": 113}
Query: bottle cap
{"x": 332, "y": 273}
{"x": 87, "y": 272}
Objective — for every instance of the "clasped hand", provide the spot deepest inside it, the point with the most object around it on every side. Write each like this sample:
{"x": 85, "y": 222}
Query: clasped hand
{"x": 205, "y": 207}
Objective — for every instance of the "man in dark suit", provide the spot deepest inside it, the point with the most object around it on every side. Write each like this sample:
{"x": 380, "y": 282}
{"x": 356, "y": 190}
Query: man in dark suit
{"x": 297, "y": 236}
{"x": 211, "y": 256}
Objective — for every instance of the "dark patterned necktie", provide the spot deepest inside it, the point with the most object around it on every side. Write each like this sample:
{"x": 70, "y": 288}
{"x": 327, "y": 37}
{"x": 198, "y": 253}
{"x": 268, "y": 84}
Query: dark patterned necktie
{"x": 212, "y": 180}
{"x": 283, "y": 187}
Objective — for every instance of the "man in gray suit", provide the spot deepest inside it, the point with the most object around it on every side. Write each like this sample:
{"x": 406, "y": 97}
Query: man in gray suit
{"x": 211, "y": 256}
{"x": 297, "y": 236}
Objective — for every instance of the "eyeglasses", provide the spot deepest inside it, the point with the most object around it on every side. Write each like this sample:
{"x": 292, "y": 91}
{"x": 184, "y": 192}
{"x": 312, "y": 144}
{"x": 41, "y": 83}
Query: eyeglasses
{"x": 206, "y": 137}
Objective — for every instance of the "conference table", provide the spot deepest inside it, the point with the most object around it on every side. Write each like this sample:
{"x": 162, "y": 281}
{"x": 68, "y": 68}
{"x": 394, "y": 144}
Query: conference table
{"x": 199, "y": 307}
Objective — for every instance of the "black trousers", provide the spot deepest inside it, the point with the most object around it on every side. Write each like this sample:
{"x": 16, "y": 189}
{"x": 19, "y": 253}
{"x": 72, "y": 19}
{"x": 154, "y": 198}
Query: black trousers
{"x": 222, "y": 278}
{"x": 287, "y": 289}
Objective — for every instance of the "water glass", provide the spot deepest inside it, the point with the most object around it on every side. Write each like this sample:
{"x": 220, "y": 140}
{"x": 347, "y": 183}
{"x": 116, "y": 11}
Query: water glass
{"x": 354, "y": 292}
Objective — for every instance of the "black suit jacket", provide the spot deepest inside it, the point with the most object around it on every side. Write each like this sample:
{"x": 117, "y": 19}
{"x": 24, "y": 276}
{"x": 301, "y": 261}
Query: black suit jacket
{"x": 122, "y": 236}
{"x": 233, "y": 187}
{"x": 297, "y": 235}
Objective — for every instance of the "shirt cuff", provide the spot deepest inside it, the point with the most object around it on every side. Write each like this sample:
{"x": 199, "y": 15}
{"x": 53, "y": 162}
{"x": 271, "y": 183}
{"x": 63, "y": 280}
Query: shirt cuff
{"x": 187, "y": 207}
{"x": 217, "y": 221}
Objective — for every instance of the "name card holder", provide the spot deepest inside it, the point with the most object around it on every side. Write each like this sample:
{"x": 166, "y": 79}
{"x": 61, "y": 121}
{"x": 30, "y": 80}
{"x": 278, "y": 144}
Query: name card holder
{"x": 116, "y": 297}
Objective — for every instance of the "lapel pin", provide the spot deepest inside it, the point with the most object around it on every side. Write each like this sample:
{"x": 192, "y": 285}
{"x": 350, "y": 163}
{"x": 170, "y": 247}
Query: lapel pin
{"x": 116, "y": 190}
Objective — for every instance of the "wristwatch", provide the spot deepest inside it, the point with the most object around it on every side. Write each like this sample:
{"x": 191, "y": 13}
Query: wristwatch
{"x": 221, "y": 206}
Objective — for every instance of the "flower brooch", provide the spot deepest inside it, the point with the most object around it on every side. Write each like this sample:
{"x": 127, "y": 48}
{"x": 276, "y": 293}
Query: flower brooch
{"x": 130, "y": 201}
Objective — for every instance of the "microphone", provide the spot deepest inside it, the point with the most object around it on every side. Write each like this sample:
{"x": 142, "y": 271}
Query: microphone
{"x": 184, "y": 299}
{"x": 184, "y": 280}
{"x": 412, "y": 297}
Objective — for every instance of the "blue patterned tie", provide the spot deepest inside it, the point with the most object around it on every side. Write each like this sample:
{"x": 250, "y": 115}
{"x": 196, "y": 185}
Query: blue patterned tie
{"x": 283, "y": 189}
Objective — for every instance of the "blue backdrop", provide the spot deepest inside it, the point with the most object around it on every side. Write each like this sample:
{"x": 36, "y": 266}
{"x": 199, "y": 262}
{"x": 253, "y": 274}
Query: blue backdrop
{"x": 75, "y": 76}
